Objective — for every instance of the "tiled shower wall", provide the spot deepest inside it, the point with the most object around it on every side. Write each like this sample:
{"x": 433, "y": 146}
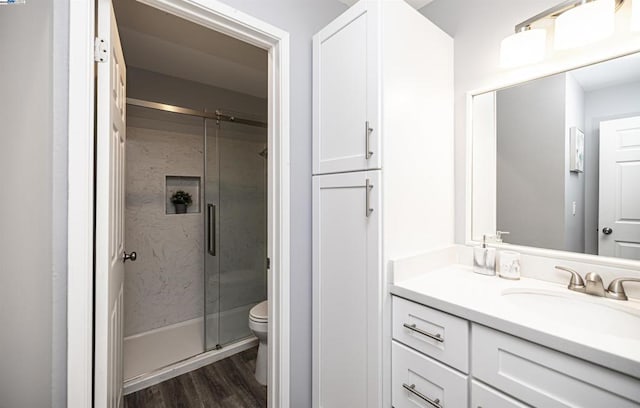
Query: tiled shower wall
{"x": 165, "y": 284}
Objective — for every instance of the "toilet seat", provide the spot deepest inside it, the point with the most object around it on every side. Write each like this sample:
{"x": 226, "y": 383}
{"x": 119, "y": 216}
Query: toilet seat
{"x": 260, "y": 312}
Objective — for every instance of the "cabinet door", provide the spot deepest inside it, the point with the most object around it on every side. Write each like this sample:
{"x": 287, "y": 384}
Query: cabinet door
{"x": 346, "y": 290}
{"x": 345, "y": 71}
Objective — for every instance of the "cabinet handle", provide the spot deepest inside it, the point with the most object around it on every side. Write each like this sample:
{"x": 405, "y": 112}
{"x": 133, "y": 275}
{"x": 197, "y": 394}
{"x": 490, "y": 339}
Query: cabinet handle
{"x": 368, "y": 187}
{"x": 412, "y": 389}
{"x": 435, "y": 337}
{"x": 367, "y": 137}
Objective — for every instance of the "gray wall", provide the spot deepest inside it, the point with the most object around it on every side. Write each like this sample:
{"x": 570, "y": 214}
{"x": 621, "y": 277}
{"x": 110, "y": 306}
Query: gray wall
{"x": 156, "y": 87}
{"x": 33, "y": 225}
{"x": 530, "y": 162}
{"x": 603, "y": 104}
{"x": 302, "y": 19}
{"x": 477, "y": 28}
{"x": 574, "y": 182}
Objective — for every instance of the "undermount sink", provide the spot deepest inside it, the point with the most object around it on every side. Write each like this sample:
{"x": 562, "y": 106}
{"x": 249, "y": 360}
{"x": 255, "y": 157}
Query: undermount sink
{"x": 578, "y": 310}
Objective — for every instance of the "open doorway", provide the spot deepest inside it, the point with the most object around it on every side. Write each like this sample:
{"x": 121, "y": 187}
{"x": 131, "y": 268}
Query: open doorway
{"x": 244, "y": 206}
{"x": 195, "y": 194}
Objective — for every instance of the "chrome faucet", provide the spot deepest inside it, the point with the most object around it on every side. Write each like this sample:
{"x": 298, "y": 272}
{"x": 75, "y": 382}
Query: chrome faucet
{"x": 616, "y": 290}
{"x": 576, "y": 283}
{"x": 594, "y": 285}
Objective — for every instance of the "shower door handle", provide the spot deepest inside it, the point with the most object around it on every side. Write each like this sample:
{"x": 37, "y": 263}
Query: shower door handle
{"x": 211, "y": 229}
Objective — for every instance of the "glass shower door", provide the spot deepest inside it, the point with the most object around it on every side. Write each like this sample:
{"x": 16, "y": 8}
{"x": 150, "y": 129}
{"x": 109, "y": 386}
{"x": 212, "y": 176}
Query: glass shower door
{"x": 236, "y": 274}
{"x": 211, "y": 237}
{"x": 243, "y": 226}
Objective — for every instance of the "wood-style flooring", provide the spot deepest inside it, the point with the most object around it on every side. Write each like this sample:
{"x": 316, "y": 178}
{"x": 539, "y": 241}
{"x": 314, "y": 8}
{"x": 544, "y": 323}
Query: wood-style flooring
{"x": 227, "y": 383}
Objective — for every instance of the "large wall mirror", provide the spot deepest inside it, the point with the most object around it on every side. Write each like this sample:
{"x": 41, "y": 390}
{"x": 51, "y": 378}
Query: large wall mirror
{"x": 556, "y": 161}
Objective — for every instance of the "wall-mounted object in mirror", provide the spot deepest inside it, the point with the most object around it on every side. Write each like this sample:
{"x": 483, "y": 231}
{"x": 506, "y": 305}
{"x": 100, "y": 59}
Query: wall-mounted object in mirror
{"x": 576, "y": 150}
{"x": 556, "y": 161}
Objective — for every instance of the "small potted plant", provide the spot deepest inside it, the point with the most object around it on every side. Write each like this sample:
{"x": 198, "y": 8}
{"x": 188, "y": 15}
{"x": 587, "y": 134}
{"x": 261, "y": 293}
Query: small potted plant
{"x": 181, "y": 200}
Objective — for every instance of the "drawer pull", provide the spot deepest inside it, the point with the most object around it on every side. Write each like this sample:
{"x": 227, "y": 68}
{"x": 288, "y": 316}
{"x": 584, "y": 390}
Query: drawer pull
{"x": 412, "y": 389}
{"x": 435, "y": 337}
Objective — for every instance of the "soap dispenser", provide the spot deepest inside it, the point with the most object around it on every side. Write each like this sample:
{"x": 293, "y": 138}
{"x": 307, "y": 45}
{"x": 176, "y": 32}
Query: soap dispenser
{"x": 484, "y": 259}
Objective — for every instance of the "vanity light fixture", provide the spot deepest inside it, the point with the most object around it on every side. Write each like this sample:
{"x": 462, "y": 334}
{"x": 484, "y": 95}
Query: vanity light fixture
{"x": 584, "y": 24}
{"x": 578, "y": 22}
{"x": 527, "y": 46}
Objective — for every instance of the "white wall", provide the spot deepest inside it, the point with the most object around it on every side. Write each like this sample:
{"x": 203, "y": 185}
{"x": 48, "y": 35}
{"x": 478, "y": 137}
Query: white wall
{"x": 33, "y": 224}
{"x": 302, "y": 19}
{"x": 603, "y": 104}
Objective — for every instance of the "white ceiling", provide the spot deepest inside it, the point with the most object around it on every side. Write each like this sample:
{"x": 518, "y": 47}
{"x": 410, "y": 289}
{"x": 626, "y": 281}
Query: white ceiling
{"x": 159, "y": 42}
{"x": 416, "y": 4}
{"x": 610, "y": 73}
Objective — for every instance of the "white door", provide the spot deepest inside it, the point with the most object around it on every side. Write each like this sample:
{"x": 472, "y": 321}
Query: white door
{"x": 346, "y": 290}
{"x": 110, "y": 166}
{"x": 346, "y": 131}
{"x": 619, "y": 201}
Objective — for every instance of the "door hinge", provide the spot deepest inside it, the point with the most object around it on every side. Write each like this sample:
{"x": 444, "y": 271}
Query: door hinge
{"x": 268, "y": 263}
{"x": 100, "y": 50}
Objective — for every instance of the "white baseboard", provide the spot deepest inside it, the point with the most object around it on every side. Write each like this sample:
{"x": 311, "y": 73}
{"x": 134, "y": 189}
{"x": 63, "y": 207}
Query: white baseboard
{"x": 182, "y": 367}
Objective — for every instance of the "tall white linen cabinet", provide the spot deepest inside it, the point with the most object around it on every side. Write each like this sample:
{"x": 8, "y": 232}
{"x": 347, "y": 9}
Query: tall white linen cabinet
{"x": 382, "y": 185}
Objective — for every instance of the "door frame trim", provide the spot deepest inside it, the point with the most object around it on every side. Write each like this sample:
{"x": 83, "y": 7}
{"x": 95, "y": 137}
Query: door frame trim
{"x": 220, "y": 17}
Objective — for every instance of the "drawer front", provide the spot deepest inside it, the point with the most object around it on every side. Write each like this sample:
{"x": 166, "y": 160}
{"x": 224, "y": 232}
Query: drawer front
{"x": 451, "y": 345}
{"x": 486, "y": 397}
{"x": 546, "y": 378}
{"x": 417, "y": 379}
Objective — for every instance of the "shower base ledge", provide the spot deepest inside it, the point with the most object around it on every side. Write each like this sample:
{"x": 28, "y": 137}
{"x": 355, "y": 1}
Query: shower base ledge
{"x": 187, "y": 365}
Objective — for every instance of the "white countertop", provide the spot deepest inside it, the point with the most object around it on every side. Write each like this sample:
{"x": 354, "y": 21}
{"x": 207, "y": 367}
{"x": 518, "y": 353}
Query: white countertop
{"x": 457, "y": 290}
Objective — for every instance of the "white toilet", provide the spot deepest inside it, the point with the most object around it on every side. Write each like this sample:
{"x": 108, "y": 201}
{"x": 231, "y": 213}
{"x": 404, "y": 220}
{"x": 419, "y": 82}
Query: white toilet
{"x": 258, "y": 323}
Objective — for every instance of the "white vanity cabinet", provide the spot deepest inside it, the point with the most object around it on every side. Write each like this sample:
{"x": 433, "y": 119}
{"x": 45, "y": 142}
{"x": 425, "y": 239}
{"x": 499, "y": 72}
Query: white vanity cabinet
{"x": 382, "y": 185}
{"x": 504, "y": 371}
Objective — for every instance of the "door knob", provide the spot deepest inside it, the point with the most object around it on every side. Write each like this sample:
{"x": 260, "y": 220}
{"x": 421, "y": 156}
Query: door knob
{"x": 129, "y": 257}
{"x": 607, "y": 230}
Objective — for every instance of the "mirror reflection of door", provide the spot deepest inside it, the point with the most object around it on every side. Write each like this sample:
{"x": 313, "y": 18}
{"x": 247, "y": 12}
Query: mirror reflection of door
{"x": 619, "y": 197}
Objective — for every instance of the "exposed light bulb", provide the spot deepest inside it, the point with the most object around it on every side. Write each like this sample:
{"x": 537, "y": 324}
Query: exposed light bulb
{"x": 585, "y": 24}
{"x": 525, "y": 47}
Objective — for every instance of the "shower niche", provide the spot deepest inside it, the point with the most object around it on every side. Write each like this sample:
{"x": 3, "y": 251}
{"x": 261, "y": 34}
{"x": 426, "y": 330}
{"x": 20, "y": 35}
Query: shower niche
{"x": 188, "y": 184}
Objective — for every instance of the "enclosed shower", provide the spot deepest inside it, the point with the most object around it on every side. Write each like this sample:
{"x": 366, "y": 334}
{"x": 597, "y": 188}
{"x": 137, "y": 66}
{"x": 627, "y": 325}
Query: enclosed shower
{"x": 200, "y": 270}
